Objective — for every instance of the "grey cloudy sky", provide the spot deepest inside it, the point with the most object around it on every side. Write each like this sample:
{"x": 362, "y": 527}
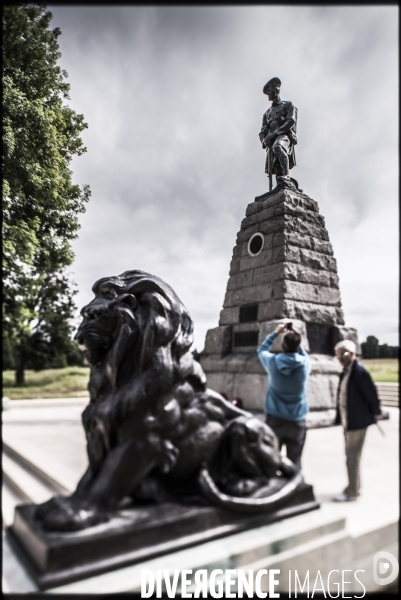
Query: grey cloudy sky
{"x": 173, "y": 99}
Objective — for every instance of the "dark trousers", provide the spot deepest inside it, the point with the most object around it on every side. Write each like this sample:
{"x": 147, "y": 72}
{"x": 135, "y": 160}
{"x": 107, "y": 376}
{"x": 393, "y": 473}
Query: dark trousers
{"x": 290, "y": 433}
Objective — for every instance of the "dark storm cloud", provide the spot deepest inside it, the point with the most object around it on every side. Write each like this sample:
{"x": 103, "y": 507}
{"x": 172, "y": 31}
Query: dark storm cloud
{"x": 173, "y": 99}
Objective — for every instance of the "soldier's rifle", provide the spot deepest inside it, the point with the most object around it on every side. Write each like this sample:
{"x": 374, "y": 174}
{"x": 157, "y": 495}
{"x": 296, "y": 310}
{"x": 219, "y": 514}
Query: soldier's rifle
{"x": 270, "y": 151}
{"x": 269, "y": 159}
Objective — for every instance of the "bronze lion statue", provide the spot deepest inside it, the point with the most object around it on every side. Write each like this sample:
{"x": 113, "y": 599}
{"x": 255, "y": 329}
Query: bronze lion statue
{"x": 154, "y": 431}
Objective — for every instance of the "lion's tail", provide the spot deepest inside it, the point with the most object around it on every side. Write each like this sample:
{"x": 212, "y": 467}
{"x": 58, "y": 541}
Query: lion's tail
{"x": 249, "y": 505}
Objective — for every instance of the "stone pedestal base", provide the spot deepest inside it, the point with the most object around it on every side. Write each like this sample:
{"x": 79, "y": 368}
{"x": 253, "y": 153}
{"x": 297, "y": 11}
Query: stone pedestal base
{"x": 242, "y": 376}
{"x": 282, "y": 268}
{"x": 132, "y": 536}
{"x": 239, "y": 373}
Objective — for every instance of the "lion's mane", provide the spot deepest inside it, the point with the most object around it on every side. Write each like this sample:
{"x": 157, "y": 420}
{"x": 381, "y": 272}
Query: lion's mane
{"x": 148, "y": 347}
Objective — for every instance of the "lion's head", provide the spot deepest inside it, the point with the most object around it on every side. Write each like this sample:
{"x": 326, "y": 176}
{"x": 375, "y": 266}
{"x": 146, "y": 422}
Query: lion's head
{"x": 137, "y": 324}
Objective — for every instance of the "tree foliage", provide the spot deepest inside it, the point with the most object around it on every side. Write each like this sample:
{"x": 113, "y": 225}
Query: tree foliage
{"x": 41, "y": 135}
{"x": 371, "y": 348}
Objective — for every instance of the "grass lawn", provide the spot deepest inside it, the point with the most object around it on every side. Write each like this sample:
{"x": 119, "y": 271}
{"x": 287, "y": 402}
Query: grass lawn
{"x": 382, "y": 369}
{"x": 70, "y": 382}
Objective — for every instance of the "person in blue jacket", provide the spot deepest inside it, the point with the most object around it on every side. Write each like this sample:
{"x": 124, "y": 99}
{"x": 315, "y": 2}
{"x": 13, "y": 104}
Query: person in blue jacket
{"x": 286, "y": 404}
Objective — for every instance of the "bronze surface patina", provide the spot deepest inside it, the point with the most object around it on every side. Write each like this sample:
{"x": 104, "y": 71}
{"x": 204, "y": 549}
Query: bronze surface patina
{"x": 278, "y": 137}
{"x": 155, "y": 433}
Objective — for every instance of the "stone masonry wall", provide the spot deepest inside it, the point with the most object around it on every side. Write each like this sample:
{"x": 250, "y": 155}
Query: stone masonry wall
{"x": 293, "y": 276}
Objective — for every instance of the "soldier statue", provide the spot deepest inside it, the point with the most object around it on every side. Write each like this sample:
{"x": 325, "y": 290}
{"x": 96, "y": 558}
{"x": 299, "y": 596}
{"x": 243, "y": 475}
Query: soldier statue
{"x": 278, "y": 137}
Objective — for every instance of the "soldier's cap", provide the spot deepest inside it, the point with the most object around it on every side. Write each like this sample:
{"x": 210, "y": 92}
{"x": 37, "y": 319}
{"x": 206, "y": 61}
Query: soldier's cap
{"x": 274, "y": 82}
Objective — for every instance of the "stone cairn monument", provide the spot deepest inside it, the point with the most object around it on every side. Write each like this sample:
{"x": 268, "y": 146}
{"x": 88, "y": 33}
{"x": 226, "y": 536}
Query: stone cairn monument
{"x": 282, "y": 268}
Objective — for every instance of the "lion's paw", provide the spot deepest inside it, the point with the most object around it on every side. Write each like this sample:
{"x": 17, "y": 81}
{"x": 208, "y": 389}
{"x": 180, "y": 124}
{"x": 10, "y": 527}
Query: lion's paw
{"x": 44, "y": 509}
{"x": 69, "y": 519}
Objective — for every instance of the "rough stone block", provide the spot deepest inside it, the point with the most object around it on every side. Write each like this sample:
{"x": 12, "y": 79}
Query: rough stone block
{"x": 325, "y": 365}
{"x": 240, "y": 280}
{"x": 302, "y": 274}
{"x": 304, "y": 311}
{"x": 253, "y": 208}
{"x": 270, "y": 201}
{"x": 272, "y": 225}
{"x": 308, "y": 242}
{"x": 275, "y": 309}
{"x": 339, "y": 316}
{"x": 228, "y": 316}
{"x": 302, "y": 227}
{"x": 311, "y": 259}
{"x": 251, "y": 388}
{"x": 320, "y": 418}
{"x": 340, "y": 333}
{"x": 269, "y": 326}
{"x": 293, "y": 212}
{"x": 322, "y": 246}
{"x": 303, "y": 241}
{"x": 305, "y": 215}
{"x": 239, "y": 362}
{"x": 298, "y": 200}
{"x": 315, "y": 313}
{"x": 249, "y": 295}
{"x": 245, "y": 234}
{"x": 295, "y": 290}
{"x": 281, "y": 196}
{"x": 322, "y": 390}
{"x": 218, "y": 340}
{"x": 278, "y": 238}
{"x": 223, "y": 383}
{"x": 248, "y": 262}
{"x": 334, "y": 281}
{"x": 268, "y": 274}
{"x": 265, "y": 215}
{"x": 235, "y": 265}
{"x": 251, "y": 326}
{"x": 278, "y": 254}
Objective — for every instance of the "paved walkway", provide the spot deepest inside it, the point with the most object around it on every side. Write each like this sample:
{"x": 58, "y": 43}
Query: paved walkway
{"x": 55, "y": 433}
{"x": 51, "y": 435}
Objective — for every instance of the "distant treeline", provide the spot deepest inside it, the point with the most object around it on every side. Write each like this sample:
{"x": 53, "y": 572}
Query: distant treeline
{"x": 42, "y": 354}
{"x": 372, "y": 349}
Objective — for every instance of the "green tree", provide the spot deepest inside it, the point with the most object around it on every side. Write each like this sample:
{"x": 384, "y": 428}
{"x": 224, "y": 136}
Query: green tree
{"x": 41, "y": 135}
{"x": 370, "y": 348}
{"x": 385, "y": 351}
{"x": 8, "y": 354}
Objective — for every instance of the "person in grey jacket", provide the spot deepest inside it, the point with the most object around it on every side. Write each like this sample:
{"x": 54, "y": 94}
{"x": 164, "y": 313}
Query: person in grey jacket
{"x": 286, "y": 404}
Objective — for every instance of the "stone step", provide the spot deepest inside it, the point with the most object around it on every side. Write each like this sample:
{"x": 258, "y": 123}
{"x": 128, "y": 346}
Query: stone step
{"x": 23, "y": 484}
{"x": 49, "y": 402}
{"x": 9, "y": 500}
{"x": 390, "y": 403}
{"x": 388, "y": 393}
{"x": 35, "y": 465}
